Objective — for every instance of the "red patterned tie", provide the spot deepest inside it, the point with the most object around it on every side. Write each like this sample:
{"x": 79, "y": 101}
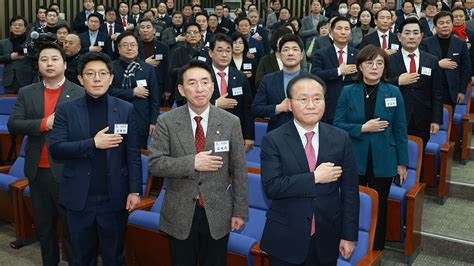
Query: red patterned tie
{"x": 124, "y": 22}
{"x": 384, "y": 41}
{"x": 311, "y": 157}
{"x": 340, "y": 58}
{"x": 412, "y": 63}
{"x": 223, "y": 83}
{"x": 199, "y": 141}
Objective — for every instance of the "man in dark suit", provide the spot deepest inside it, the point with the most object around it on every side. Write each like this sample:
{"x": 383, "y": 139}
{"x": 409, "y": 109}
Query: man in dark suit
{"x": 271, "y": 100}
{"x": 258, "y": 32}
{"x": 232, "y": 90}
{"x": 95, "y": 136}
{"x": 81, "y": 20}
{"x": 40, "y": 24}
{"x": 200, "y": 149}
{"x": 33, "y": 116}
{"x": 335, "y": 64}
{"x": 382, "y": 38}
{"x": 226, "y": 24}
{"x": 162, "y": 16}
{"x": 453, "y": 59}
{"x": 427, "y": 24}
{"x": 72, "y": 48}
{"x": 94, "y": 40}
{"x": 417, "y": 75}
{"x": 136, "y": 15}
{"x": 309, "y": 172}
{"x": 112, "y": 29}
{"x": 135, "y": 81}
{"x": 255, "y": 46}
{"x": 19, "y": 66}
{"x": 124, "y": 19}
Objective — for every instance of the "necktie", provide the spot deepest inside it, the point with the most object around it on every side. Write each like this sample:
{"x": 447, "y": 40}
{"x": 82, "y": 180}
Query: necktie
{"x": 110, "y": 30}
{"x": 252, "y": 32}
{"x": 311, "y": 157}
{"x": 223, "y": 83}
{"x": 412, "y": 63}
{"x": 384, "y": 41}
{"x": 340, "y": 58}
{"x": 124, "y": 22}
{"x": 199, "y": 141}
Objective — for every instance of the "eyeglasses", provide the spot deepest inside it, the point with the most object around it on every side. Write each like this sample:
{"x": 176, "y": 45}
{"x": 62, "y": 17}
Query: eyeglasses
{"x": 92, "y": 74}
{"x": 128, "y": 45}
{"x": 221, "y": 51}
{"x": 192, "y": 32}
{"x": 370, "y": 64}
{"x": 305, "y": 101}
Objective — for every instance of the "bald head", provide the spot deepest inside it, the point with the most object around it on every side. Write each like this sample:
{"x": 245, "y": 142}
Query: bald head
{"x": 72, "y": 44}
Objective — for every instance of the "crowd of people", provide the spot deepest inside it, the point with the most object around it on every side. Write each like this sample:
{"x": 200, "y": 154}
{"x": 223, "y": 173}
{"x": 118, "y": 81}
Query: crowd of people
{"x": 372, "y": 73}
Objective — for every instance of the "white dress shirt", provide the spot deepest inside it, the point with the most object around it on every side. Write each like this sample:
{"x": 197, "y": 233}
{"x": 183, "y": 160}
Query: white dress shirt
{"x": 407, "y": 60}
{"x": 379, "y": 33}
{"x": 204, "y": 120}
{"x": 314, "y": 141}
{"x": 344, "y": 57}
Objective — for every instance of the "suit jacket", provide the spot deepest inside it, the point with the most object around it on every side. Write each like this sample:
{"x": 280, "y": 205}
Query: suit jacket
{"x": 308, "y": 29}
{"x": 227, "y": 23}
{"x": 258, "y": 46}
{"x": 118, "y": 29}
{"x": 248, "y": 62}
{"x": 79, "y": 24}
{"x": 289, "y": 183}
{"x": 20, "y": 70}
{"x": 268, "y": 64}
{"x": 264, "y": 34}
{"x": 172, "y": 155}
{"x": 26, "y": 118}
{"x": 423, "y": 99}
{"x": 130, "y": 20}
{"x": 145, "y": 110}
{"x": 390, "y": 147}
{"x": 356, "y": 35}
{"x": 271, "y": 19}
{"x": 470, "y": 25}
{"x": 168, "y": 36}
{"x": 162, "y": 69}
{"x": 166, "y": 20}
{"x": 373, "y": 38}
{"x": 425, "y": 28}
{"x": 72, "y": 142}
{"x": 271, "y": 93}
{"x": 244, "y": 99}
{"x": 101, "y": 37}
{"x": 325, "y": 65}
{"x": 459, "y": 77}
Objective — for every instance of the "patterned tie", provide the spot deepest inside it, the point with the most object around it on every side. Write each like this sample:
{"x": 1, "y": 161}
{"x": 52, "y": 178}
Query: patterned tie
{"x": 110, "y": 30}
{"x": 199, "y": 141}
{"x": 340, "y": 58}
{"x": 412, "y": 63}
{"x": 223, "y": 83}
{"x": 384, "y": 41}
{"x": 311, "y": 157}
{"x": 124, "y": 22}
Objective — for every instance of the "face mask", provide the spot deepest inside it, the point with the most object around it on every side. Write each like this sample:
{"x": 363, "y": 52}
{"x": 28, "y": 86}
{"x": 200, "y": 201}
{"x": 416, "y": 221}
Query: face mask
{"x": 101, "y": 12}
{"x": 342, "y": 11}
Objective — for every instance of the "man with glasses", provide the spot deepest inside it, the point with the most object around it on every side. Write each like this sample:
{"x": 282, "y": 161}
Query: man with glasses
{"x": 95, "y": 135}
{"x": 135, "y": 81}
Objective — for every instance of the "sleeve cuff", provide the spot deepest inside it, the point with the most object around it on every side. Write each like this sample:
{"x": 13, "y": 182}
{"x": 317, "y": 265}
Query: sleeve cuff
{"x": 43, "y": 125}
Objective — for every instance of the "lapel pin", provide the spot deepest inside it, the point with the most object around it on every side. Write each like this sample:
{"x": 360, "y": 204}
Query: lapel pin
{"x": 217, "y": 132}
{"x": 115, "y": 109}
{"x": 67, "y": 96}
{"x": 233, "y": 77}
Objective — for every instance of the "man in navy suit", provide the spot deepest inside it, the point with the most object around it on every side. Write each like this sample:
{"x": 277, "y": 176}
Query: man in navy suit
{"x": 335, "y": 64}
{"x": 94, "y": 40}
{"x": 453, "y": 58}
{"x": 232, "y": 90}
{"x": 309, "y": 172}
{"x": 112, "y": 29}
{"x": 271, "y": 99}
{"x": 80, "y": 21}
{"x": 382, "y": 38}
{"x": 95, "y": 136}
{"x": 255, "y": 46}
{"x": 124, "y": 19}
{"x": 417, "y": 74}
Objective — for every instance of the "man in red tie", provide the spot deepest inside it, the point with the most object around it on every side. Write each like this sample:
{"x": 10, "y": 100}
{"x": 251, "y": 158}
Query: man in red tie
{"x": 309, "y": 172}
{"x": 335, "y": 64}
{"x": 417, "y": 74}
{"x": 382, "y": 37}
{"x": 200, "y": 149}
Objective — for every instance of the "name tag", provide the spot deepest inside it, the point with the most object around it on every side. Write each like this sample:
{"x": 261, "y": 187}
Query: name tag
{"x": 117, "y": 34}
{"x": 426, "y": 71}
{"x": 159, "y": 56}
{"x": 101, "y": 43}
{"x": 237, "y": 91}
{"x": 202, "y": 58}
{"x": 157, "y": 34}
{"x": 394, "y": 46}
{"x": 391, "y": 102}
{"x": 455, "y": 54}
{"x": 253, "y": 50}
{"x": 207, "y": 44}
{"x": 25, "y": 50}
{"x": 221, "y": 146}
{"x": 247, "y": 66}
{"x": 141, "y": 83}
{"x": 121, "y": 129}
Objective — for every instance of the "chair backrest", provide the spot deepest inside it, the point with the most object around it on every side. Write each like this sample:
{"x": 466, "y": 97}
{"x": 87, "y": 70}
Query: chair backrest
{"x": 147, "y": 179}
{"x": 415, "y": 153}
{"x": 158, "y": 202}
{"x": 260, "y": 131}
{"x": 18, "y": 167}
{"x": 444, "y": 132}
{"x": 6, "y": 105}
{"x": 256, "y": 196}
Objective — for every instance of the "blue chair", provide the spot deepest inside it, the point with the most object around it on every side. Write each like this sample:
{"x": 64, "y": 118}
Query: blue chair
{"x": 462, "y": 128}
{"x": 437, "y": 161}
{"x": 253, "y": 156}
{"x": 405, "y": 204}
{"x": 6, "y": 107}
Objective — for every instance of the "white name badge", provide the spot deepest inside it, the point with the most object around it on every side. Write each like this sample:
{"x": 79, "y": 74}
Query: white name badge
{"x": 391, "y": 102}
{"x": 253, "y": 50}
{"x": 237, "y": 91}
{"x": 202, "y": 58}
{"x": 426, "y": 71}
{"x": 25, "y": 50}
{"x": 157, "y": 34}
{"x": 159, "y": 56}
{"x": 247, "y": 66}
{"x": 455, "y": 54}
{"x": 121, "y": 129}
{"x": 141, "y": 83}
{"x": 394, "y": 46}
{"x": 101, "y": 43}
{"x": 117, "y": 34}
{"x": 221, "y": 146}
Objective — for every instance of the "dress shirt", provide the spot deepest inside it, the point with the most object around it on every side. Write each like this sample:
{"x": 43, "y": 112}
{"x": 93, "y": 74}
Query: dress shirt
{"x": 93, "y": 36}
{"x": 417, "y": 9}
{"x": 407, "y": 59}
{"x": 204, "y": 121}
{"x": 344, "y": 57}
{"x": 379, "y": 33}
{"x": 314, "y": 141}
{"x": 218, "y": 78}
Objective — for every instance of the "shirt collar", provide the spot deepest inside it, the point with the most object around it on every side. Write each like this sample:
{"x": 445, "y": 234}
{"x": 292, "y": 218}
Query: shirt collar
{"x": 381, "y": 33}
{"x": 343, "y": 49}
{"x": 405, "y": 53}
{"x": 302, "y": 131}
{"x": 56, "y": 86}
{"x": 226, "y": 70}
{"x": 204, "y": 115}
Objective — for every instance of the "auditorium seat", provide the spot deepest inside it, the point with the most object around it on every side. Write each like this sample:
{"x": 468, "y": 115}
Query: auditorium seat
{"x": 462, "y": 128}
{"x": 405, "y": 203}
{"x": 7, "y": 154}
{"x": 253, "y": 156}
{"x": 438, "y": 157}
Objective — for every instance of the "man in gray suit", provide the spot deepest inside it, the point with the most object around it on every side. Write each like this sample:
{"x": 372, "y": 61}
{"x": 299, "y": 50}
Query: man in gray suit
{"x": 33, "y": 116}
{"x": 200, "y": 149}
{"x": 18, "y": 65}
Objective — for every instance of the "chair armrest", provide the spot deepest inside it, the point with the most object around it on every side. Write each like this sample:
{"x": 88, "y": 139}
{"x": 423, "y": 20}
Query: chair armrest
{"x": 447, "y": 146}
{"x": 19, "y": 185}
{"x": 145, "y": 204}
{"x": 240, "y": 244}
{"x": 259, "y": 252}
{"x": 372, "y": 257}
{"x": 5, "y": 168}
{"x": 417, "y": 189}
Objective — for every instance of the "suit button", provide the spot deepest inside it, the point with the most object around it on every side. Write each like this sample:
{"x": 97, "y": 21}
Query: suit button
{"x": 200, "y": 183}
{"x": 88, "y": 173}
{"x": 194, "y": 199}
